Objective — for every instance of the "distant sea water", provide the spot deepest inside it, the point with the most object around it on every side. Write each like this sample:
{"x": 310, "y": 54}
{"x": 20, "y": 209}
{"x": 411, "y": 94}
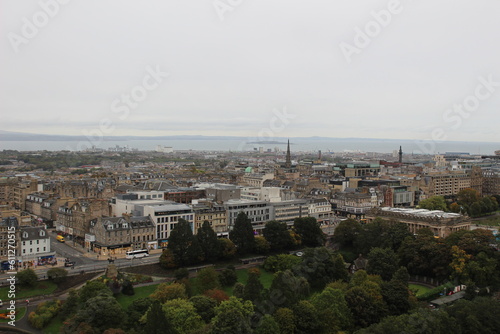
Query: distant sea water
{"x": 297, "y": 145}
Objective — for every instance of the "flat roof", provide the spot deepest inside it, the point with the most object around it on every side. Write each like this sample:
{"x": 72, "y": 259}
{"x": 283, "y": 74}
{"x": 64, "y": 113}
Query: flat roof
{"x": 423, "y": 212}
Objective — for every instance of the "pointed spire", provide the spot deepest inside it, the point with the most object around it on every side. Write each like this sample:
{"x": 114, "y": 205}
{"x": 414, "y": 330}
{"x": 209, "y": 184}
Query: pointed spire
{"x": 400, "y": 154}
{"x": 288, "y": 162}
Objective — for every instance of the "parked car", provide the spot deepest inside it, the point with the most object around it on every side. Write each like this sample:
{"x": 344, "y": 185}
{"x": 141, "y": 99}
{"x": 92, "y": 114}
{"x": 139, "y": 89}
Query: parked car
{"x": 69, "y": 263}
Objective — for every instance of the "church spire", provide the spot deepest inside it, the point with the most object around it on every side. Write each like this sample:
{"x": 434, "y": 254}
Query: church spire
{"x": 400, "y": 154}
{"x": 288, "y": 162}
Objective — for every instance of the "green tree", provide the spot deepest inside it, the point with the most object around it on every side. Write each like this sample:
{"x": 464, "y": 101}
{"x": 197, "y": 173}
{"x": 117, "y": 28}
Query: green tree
{"x": 166, "y": 291}
{"x": 167, "y": 259}
{"x": 58, "y": 275}
{"x": 228, "y": 276}
{"x": 232, "y": 316}
{"x": 321, "y": 266}
{"x": 205, "y": 307}
{"x": 383, "y": 262}
{"x": 242, "y": 234}
{"x": 281, "y": 262}
{"x": 27, "y": 277}
{"x": 277, "y": 234}
{"x": 310, "y": 231}
{"x": 468, "y": 196}
{"x": 483, "y": 271}
{"x": 306, "y": 318}
{"x": 207, "y": 238}
{"x": 366, "y": 306}
{"x": 288, "y": 289}
{"x": 346, "y": 232}
{"x": 396, "y": 296}
{"x": 207, "y": 279}
{"x": 286, "y": 320}
{"x": 182, "y": 316}
{"x": 228, "y": 248}
{"x": 101, "y": 312}
{"x": 262, "y": 246}
{"x": 182, "y": 244}
{"x": 135, "y": 311}
{"x": 93, "y": 289}
{"x": 267, "y": 325}
{"x": 433, "y": 203}
{"x": 156, "y": 321}
{"x": 253, "y": 288}
{"x": 333, "y": 312}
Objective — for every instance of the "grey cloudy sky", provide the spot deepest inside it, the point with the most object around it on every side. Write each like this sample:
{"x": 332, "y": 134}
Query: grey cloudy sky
{"x": 234, "y": 64}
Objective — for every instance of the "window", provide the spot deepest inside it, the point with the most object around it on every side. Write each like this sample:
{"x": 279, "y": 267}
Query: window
{"x": 37, "y": 249}
{"x": 31, "y": 242}
{"x": 44, "y": 249}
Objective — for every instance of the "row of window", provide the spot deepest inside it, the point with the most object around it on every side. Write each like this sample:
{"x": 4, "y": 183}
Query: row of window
{"x": 37, "y": 250}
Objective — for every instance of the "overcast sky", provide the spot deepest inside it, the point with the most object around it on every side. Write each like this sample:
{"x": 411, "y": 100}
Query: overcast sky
{"x": 233, "y": 66}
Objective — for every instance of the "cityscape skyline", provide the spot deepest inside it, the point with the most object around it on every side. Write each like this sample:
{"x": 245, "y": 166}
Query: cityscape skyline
{"x": 283, "y": 69}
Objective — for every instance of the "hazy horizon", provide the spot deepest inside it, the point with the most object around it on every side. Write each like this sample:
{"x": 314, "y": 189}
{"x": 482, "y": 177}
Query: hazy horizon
{"x": 260, "y": 69}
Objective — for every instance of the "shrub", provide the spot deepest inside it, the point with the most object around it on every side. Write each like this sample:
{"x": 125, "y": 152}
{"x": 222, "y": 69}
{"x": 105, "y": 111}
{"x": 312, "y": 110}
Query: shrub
{"x": 27, "y": 277}
{"x": 57, "y": 275}
{"x": 228, "y": 277}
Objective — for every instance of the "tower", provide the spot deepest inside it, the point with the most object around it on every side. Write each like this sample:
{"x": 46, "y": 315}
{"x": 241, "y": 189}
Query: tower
{"x": 400, "y": 155}
{"x": 288, "y": 162}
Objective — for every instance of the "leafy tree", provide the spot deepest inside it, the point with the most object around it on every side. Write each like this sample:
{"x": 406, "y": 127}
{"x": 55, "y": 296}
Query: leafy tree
{"x": 346, "y": 232}
{"x": 156, "y": 321}
{"x": 216, "y": 294}
{"x": 475, "y": 209}
{"x": 321, "y": 266}
{"x": 93, "y": 289}
{"x": 58, "y": 275}
{"x": 286, "y": 320}
{"x": 267, "y": 325}
{"x": 182, "y": 315}
{"x": 455, "y": 207}
{"x": 242, "y": 234}
{"x": 306, "y": 318}
{"x": 205, "y": 306}
{"x": 167, "y": 259}
{"x": 382, "y": 262}
{"x": 396, "y": 234}
{"x": 333, "y": 312}
{"x": 183, "y": 245}
{"x": 70, "y": 305}
{"x": 136, "y": 310}
{"x": 372, "y": 235}
{"x": 128, "y": 288}
{"x": 433, "y": 203}
{"x": 166, "y": 291}
{"x": 238, "y": 290}
{"x": 253, "y": 288}
{"x": 207, "y": 279}
{"x": 232, "y": 316}
{"x": 468, "y": 196}
{"x": 228, "y": 248}
{"x": 277, "y": 234}
{"x": 262, "y": 246}
{"x": 483, "y": 270}
{"x": 402, "y": 275}
{"x": 208, "y": 241}
{"x": 27, "y": 277}
{"x": 396, "y": 296}
{"x": 281, "y": 262}
{"x": 228, "y": 276}
{"x": 310, "y": 231}
{"x": 477, "y": 316}
{"x": 366, "y": 306}
{"x": 473, "y": 242}
{"x": 101, "y": 312}
{"x": 288, "y": 289}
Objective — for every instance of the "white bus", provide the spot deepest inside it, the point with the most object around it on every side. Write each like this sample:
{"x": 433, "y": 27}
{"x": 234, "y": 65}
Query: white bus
{"x": 137, "y": 254}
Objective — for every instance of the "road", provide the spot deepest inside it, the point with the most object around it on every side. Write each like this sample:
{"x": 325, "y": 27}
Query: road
{"x": 82, "y": 262}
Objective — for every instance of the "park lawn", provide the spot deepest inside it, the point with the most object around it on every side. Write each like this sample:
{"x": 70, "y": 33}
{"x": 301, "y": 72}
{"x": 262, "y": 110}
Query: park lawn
{"x": 20, "y": 313}
{"x": 140, "y": 292}
{"x": 421, "y": 289}
{"x": 41, "y": 288}
{"x": 54, "y": 326}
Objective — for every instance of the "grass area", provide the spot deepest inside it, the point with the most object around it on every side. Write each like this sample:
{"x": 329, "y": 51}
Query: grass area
{"x": 20, "y": 313}
{"x": 41, "y": 288}
{"x": 54, "y": 326}
{"x": 420, "y": 289}
{"x": 140, "y": 292}
{"x": 493, "y": 221}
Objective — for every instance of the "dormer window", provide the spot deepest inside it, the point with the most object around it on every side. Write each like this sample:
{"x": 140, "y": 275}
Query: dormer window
{"x": 25, "y": 235}
{"x": 42, "y": 233}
